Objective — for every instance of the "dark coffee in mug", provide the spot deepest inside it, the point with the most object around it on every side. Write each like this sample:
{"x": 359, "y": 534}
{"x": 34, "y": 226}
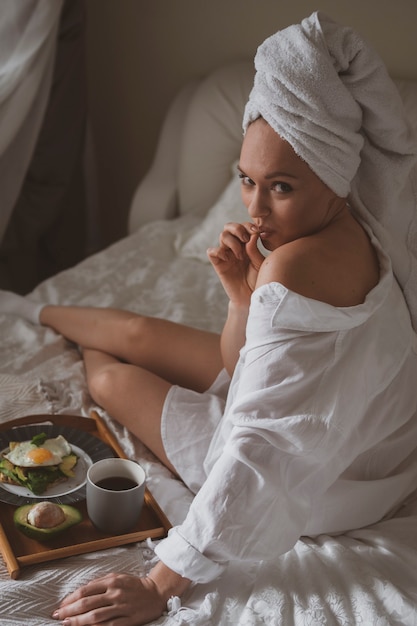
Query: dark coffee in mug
{"x": 117, "y": 483}
{"x": 115, "y": 493}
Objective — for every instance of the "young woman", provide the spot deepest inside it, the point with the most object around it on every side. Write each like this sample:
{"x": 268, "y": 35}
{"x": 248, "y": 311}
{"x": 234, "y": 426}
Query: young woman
{"x": 304, "y": 410}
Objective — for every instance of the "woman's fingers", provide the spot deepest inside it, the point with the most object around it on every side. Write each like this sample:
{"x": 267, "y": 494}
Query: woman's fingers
{"x": 93, "y": 588}
{"x": 219, "y": 255}
{"x": 234, "y": 237}
{"x": 232, "y": 242}
{"x": 255, "y": 255}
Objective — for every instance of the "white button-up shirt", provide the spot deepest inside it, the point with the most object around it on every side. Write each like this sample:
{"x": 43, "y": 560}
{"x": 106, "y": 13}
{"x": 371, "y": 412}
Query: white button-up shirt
{"x": 319, "y": 433}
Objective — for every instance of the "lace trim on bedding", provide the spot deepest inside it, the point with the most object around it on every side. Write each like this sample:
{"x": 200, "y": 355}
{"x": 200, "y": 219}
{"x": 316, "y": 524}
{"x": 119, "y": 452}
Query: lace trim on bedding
{"x": 200, "y": 617}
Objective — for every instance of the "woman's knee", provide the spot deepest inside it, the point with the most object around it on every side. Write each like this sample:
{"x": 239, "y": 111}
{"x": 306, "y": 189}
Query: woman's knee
{"x": 104, "y": 383}
{"x": 139, "y": 335}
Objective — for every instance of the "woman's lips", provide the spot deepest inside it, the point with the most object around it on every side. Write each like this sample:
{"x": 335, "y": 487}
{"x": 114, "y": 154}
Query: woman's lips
{"x": 264, "y": 234}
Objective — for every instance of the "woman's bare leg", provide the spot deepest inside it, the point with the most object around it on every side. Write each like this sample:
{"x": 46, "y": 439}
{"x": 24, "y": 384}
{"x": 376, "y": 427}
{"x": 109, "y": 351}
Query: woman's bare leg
{"x": 131, "y": 395}
{"x": 179, "y": 354}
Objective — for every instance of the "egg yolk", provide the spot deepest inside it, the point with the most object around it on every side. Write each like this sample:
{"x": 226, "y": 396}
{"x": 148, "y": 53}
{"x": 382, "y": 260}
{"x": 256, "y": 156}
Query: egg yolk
{"x": 39, "y": 455}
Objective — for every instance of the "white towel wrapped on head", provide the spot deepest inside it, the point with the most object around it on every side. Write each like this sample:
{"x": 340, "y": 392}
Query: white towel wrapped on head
{"x": 323, "y": 89}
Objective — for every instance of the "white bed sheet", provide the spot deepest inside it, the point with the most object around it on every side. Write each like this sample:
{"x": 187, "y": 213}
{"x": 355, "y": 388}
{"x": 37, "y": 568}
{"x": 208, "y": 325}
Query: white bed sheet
{"x": 367, "y": 577}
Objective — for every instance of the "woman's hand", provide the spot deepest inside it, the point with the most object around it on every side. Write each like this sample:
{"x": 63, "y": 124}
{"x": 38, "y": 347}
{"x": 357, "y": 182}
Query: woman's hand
{"x": 114, "y": 599}
{"x": 121, "y": 599}
{"x": 237, "y": 261}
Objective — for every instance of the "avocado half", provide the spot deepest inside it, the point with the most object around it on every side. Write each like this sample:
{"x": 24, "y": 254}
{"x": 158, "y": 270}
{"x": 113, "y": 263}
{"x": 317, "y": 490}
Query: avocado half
{"x": 20, "y": 518}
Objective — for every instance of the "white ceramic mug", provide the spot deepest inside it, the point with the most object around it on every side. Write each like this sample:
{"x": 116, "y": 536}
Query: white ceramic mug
{"x": 115, "y": 493}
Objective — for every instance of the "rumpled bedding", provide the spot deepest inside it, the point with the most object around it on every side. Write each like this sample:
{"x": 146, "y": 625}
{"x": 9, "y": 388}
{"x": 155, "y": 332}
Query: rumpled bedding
{"x": 366, "y": 577}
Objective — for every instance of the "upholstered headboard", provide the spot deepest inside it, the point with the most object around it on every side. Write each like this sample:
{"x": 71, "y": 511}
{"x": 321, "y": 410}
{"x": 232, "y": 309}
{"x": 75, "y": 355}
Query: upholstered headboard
{"x": 199, "y": 141}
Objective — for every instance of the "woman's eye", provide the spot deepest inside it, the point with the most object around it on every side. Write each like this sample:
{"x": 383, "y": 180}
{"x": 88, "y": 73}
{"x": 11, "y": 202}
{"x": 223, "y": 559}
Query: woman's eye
{"x": 246, "y": 180}
{"x": 279, "y": 187}
{"x": 282, "y": 187}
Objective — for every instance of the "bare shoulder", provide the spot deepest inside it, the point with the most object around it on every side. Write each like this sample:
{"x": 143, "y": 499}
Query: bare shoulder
{"x": 338, "y": 265}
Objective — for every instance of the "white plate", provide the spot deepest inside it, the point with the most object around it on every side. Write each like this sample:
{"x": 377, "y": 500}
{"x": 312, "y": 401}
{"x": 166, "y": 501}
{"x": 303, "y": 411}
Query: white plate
{"x": 60, "y": 489}
{"x": 88, "y": 448}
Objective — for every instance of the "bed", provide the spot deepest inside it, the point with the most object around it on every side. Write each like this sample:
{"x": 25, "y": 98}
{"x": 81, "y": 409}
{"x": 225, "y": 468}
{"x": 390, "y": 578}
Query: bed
{"x": 366, "y": 577}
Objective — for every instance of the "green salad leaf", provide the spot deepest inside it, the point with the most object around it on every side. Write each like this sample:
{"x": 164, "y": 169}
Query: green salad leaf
{"x": 39, "y": 439}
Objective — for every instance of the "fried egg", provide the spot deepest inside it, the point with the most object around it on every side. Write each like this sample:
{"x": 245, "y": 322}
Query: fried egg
{"x": 27, "y": 454}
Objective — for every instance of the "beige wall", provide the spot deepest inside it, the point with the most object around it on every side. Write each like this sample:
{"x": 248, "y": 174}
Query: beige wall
{"x": 140, "y": 52}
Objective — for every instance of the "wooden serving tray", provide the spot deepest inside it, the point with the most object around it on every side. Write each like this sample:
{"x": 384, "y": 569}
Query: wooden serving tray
{"x": 20, "y": 551}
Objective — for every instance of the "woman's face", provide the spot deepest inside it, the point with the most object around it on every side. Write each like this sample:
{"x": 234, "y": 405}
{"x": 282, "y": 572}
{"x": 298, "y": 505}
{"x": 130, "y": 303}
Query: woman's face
{"x": 284, "y": 198}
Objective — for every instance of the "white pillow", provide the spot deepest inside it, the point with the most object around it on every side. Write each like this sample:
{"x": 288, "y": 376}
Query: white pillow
{"x": 228, "y": 208}
{"x": 212, "y": 136}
